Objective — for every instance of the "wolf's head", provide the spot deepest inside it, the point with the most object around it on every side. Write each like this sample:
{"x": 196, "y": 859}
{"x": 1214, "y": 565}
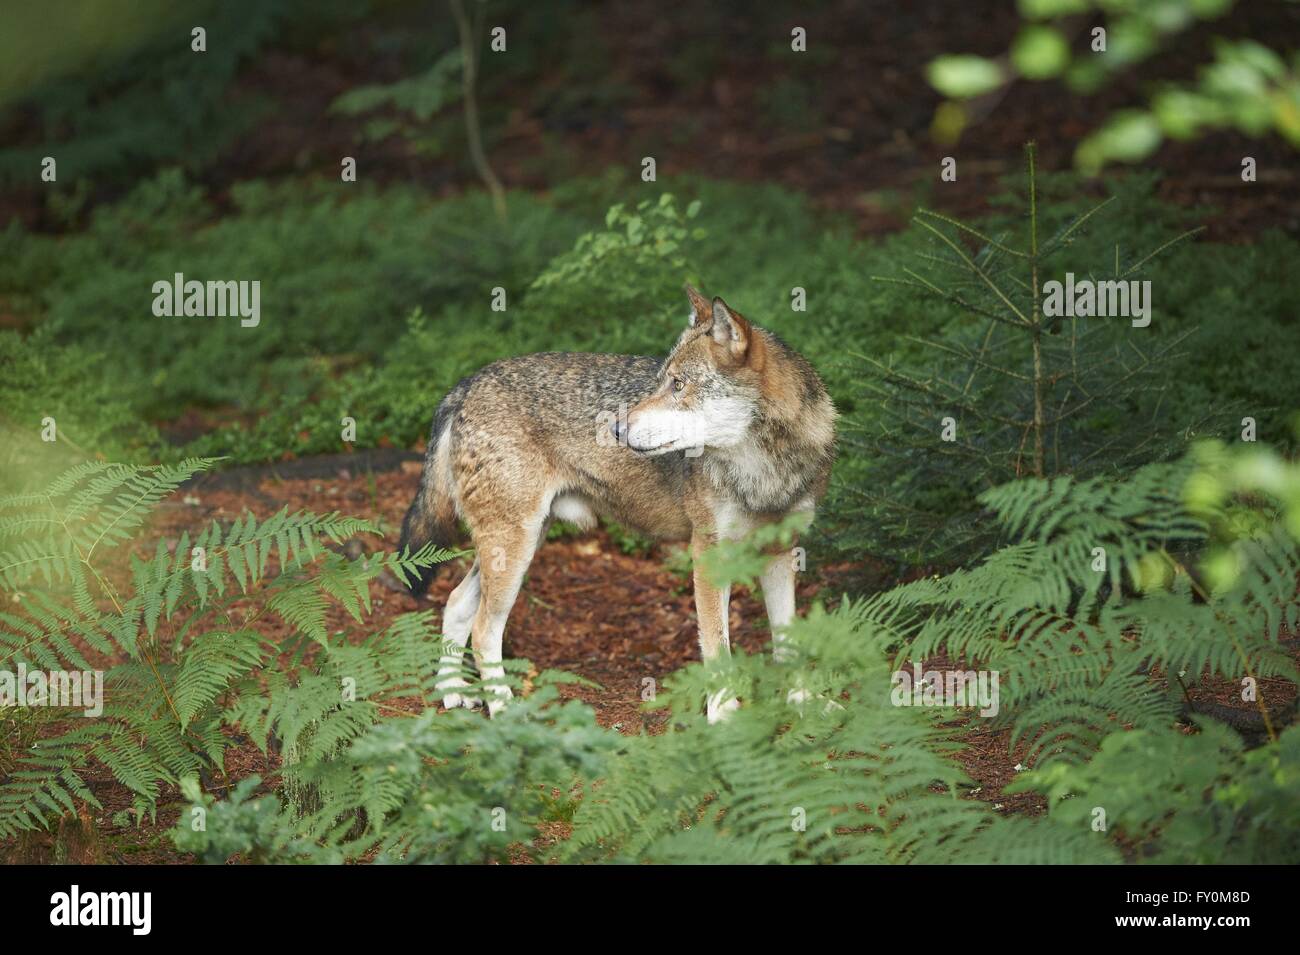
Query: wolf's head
{"x": 709, "y": 387}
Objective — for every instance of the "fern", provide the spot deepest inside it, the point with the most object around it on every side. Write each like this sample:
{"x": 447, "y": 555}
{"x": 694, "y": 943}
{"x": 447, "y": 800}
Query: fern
{"x": 175, "y": 655}
{"x": 1090, "y": 654}
{"x": 844, "y": 777}
{"x": 1098, "y": 658}
{"x": 1111, "y": 602}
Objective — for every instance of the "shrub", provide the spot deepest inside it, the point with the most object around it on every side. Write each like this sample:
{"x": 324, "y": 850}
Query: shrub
{"x": 1009, "y": 391}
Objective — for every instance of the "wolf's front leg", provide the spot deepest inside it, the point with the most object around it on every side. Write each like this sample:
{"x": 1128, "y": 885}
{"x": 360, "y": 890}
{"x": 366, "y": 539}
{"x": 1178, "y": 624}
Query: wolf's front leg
{"x": 712, "y": 606}
{"x": 778, "y": 597}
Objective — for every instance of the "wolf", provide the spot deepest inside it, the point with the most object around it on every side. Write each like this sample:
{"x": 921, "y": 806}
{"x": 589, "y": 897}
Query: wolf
{"x": 734, "y": 429}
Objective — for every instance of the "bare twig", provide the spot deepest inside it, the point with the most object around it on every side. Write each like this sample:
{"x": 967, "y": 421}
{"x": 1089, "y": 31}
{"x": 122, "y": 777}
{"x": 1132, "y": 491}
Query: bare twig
{"x": 469, "y": 42}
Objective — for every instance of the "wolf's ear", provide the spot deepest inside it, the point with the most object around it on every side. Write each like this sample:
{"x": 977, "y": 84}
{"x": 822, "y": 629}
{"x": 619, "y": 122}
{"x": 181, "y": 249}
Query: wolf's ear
{"x": 730, "y": 329}
{"x": 700, "y": 307}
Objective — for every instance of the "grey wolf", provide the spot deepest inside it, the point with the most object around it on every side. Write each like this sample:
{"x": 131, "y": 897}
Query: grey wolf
{"x": 732, "y": 430}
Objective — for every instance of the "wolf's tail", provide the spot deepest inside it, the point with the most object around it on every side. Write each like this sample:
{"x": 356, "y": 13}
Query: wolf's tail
{"x": 431, "y": 518}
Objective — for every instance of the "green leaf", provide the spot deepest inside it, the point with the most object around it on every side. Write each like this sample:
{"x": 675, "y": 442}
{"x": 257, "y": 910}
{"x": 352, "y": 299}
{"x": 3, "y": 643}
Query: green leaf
{"x": 1129, "y": 136}
{"x": 1040, "y": 53}
{"x": 964, "y": 75}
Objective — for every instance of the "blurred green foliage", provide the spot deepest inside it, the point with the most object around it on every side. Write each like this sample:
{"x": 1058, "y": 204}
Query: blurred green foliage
{"x": 122, "y": 86}
{"x": 1246, "y": 86}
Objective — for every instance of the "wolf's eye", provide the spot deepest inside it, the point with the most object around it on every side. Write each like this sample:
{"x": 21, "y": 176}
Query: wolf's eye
{"x": 678, "y": 384}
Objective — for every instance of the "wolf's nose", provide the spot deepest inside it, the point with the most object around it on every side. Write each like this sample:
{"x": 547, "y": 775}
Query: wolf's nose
{"x": 619, "y": 428}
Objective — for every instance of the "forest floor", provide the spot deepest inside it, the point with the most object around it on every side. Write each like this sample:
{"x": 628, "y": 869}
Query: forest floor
{"x": 587, "y": 607}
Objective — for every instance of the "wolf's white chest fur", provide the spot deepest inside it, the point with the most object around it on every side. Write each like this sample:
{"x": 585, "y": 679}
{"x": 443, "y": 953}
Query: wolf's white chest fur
{"x": 747, "y": 474}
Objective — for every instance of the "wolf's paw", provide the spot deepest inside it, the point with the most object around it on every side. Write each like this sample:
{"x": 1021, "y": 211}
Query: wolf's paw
{"x": 451, "y": 699}
{"x": 799, "y": 697}
{"x": 501, "y": 695}
{"x": 720, "y": 705}
{"x": 782, "y": 652}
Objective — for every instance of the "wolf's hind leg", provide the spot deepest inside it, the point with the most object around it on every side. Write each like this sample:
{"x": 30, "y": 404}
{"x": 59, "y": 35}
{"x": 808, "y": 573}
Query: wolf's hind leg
{"x": 457, "y": 618}
{"x": 504, "y": 557}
